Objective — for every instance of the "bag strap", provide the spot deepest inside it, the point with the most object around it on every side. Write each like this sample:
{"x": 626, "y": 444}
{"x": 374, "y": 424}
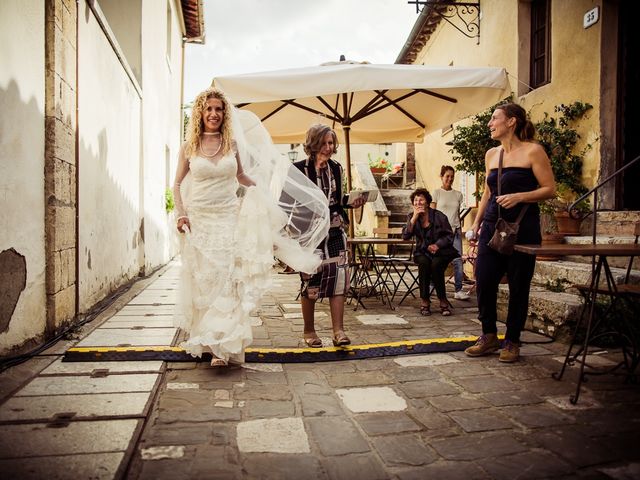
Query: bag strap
{"x": 523, "y": 210}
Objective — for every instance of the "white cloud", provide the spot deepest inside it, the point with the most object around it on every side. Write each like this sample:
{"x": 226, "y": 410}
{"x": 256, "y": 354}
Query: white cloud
{"x": 256, "y": 35}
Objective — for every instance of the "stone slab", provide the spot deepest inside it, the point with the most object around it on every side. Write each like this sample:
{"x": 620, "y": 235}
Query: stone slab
{"x": 275, "y": 435}
{"x": 444, "y": 470}
{"x": 473, "y": 447}
{"x": 403, "y": 450}
{"x": 425, "y": 360}
{"x": 336, "y": 436}
{"x": 480, "y": 421}
{"x": 113, "y": 337}
{"x": 527, "y": 466}
{"x": 387, "y": 423}
{"x": 40, "y": 386}
{"x": 146, "y": 310}
{"x": 381, "y": 319}
{"x": 371, "y": 399}
{"x": 351, "y": 467}
{"x": 427, "y": 388}
{"x": 87, "y": 367}
{"x": 165, "y": 321}
{"x": 44, "y": 408}
{"x": 320, "y": 405}
{"x": 29, "y": 440}
{"x": 538, "y": 416}
{"x": 97, "y": 466}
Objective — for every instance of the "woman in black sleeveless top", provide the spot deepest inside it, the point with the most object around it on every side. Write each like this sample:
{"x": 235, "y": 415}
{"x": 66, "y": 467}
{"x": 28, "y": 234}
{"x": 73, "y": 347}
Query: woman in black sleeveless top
{"x": 527, "y": 178}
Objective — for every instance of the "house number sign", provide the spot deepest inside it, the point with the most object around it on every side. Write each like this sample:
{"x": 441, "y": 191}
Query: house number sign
{"x": 591, "y": 17}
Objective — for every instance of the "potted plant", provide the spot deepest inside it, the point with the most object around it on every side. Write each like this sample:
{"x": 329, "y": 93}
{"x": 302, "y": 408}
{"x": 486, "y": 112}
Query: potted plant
{"x": 379, "y": 165}
{"x": 559, "y": 137}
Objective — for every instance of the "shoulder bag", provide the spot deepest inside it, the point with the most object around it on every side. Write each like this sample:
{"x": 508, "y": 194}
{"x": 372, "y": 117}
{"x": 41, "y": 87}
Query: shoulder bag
{"x": 506, "y": 233}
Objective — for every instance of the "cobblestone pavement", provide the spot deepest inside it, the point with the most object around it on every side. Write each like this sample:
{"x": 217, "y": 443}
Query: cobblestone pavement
{"x": 439, "y": 415}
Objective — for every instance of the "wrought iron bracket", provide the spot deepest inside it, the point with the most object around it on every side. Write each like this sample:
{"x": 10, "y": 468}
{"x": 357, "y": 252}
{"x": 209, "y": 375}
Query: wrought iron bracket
{"x": 463, "y": 16}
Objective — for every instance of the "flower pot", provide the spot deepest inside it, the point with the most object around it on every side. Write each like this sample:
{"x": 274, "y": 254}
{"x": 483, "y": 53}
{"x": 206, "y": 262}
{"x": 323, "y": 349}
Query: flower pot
{"x": 551, "y": 239}
{"x": 567, "y": 225}
{"x": 378, "y": 170}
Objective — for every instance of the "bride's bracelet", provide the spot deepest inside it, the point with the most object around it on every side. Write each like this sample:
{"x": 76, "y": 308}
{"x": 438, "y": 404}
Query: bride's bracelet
{"x": 181, "y": 217}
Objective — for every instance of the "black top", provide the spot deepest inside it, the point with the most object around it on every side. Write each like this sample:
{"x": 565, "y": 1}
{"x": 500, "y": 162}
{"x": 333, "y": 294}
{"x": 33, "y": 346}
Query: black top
{"x": 438, "y": 232}
{"x": 337, "y": 202}
{"x": 514, "y": 180}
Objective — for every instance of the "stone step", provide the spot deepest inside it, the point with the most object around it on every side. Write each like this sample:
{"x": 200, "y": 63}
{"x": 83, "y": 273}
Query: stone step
{"x": 549, "y": 312}
{"x": 562, "y": 274}
{"x": 620, "y": 262}
{"x": 614, "y": 222}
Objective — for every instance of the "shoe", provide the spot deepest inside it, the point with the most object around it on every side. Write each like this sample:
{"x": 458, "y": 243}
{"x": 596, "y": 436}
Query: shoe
{"x": 461, "y": 295}
{"x": 340, "y": 339}
{"x": 218, "y": 362}
{"x": 510, "y": 352}
{"x": 486, "y": 344}
{"x": 313, "y": 342}
{"x": 445, "y": 311}
{"x": 425, "y": 310}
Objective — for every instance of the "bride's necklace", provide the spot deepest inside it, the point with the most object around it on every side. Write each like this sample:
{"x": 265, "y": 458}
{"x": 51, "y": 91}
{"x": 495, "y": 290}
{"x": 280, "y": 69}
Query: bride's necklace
{"x": 210, "y": 155}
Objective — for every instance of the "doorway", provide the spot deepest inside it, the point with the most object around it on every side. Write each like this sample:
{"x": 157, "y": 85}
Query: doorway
{"x": 628, "y": 197}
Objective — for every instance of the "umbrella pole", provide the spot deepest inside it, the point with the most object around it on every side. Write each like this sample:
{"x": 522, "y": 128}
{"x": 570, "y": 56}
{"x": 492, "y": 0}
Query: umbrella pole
{"x": 347, "y": 143}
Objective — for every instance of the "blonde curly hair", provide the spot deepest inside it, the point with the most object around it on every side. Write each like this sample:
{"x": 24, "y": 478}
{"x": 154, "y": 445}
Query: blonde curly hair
{"x": 195, "y": 126}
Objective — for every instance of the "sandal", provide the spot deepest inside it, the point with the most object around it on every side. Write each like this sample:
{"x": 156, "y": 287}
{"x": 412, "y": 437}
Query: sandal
{"x": 444, "y": 310}
{"x": 218, "y": 362}
{"x": 340, "y": 339}
{"x": 313, "y": 342}
{"x": 425, "y": 310}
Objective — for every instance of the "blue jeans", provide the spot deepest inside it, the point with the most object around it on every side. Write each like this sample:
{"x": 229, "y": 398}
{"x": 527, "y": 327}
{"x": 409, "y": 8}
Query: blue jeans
{"x": 458, "y": 269}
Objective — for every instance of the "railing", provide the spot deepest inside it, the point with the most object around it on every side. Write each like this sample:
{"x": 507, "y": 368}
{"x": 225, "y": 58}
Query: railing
{"x": 572, "y": 207}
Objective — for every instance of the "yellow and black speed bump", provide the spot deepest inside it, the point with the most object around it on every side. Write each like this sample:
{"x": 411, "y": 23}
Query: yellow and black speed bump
{"x": 274, "y": 355}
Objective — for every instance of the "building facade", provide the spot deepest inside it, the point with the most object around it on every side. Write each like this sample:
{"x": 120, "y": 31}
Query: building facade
{"x": 556, "y": 52}
{"x": 90, "y": 132}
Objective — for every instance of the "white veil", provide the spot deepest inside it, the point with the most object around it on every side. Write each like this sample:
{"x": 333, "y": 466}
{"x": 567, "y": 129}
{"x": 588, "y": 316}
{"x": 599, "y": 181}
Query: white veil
{"x": 297, "y": 210}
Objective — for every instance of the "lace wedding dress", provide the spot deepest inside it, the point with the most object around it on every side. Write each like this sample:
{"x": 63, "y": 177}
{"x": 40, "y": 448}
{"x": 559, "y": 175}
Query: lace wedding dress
{"x": 215, "y": 273}
{"x": 236, "y": 234}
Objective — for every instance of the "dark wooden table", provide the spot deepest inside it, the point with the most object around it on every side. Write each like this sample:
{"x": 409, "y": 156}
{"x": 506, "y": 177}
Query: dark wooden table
{"x": 599, "y": 254}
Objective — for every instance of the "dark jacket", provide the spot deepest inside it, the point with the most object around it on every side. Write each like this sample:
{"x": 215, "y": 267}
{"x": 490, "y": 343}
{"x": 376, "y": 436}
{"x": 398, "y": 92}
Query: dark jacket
{"x": 438, "y": 232}
{"x": 306, "y": 166}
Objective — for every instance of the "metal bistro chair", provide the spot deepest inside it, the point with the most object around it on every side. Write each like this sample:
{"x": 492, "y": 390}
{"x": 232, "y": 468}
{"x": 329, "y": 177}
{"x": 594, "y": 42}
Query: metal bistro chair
{"x": 391, "y": 264}
{"x": 628, "y": 293}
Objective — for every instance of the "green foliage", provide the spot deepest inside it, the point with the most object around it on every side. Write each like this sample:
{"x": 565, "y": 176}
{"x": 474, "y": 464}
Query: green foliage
{"x": 558, "y": 285}
{"x": 169, "y": 203}
{"x": 558, "y": 137}
{"x": 470, "y": 144}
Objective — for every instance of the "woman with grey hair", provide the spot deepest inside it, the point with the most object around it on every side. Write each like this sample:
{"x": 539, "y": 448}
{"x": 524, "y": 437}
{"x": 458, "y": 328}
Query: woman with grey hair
{"x": 332, "y": 279}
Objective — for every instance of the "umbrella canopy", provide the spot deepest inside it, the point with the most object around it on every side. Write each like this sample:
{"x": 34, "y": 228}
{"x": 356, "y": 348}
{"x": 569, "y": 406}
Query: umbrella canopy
{"x": 376, "y": 103}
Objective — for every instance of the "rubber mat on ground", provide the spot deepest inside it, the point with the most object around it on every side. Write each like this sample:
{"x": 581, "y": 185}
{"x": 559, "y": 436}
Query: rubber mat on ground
{"x": 274, "y": 355}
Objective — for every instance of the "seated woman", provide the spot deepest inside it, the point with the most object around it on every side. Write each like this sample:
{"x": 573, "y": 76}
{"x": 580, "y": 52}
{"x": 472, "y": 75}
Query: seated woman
{"x": 434, "y": 248}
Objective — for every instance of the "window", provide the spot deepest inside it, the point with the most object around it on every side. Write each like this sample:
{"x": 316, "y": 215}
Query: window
{"x": 540, "y": 68}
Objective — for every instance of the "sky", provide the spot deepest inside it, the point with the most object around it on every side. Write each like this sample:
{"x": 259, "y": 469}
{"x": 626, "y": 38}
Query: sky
{"x": 244, "y": 36}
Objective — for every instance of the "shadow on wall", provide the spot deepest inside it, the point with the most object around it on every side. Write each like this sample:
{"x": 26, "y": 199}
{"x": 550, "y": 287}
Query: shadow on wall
{"x": 22, "y": 261}
{"x": 111, "y": 230}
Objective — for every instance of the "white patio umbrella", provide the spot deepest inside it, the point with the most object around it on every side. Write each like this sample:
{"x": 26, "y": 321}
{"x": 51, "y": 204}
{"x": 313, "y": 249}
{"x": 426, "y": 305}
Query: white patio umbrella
{"x": 364, "y": 103}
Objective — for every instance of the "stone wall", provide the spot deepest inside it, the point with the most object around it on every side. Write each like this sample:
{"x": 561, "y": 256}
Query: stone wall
{"x": 60, "y": 161}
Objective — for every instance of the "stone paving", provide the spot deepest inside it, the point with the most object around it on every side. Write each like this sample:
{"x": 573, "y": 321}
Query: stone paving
{"x": 440, "y": 415}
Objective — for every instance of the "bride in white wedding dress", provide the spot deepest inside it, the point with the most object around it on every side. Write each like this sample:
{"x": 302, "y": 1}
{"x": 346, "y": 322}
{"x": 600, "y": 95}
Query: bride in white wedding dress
{"x": 239, "y": 204}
